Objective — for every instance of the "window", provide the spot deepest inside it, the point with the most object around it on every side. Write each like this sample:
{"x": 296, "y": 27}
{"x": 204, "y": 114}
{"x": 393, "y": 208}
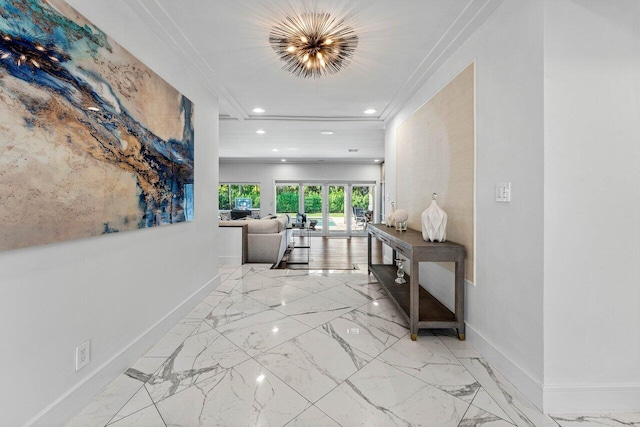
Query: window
{"x": 245, "y": 196}
{"x": 287, "y": 199}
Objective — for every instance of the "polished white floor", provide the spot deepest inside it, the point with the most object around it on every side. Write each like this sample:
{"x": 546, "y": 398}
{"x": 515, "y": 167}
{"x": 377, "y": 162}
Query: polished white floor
{"x": 312, "y": 348}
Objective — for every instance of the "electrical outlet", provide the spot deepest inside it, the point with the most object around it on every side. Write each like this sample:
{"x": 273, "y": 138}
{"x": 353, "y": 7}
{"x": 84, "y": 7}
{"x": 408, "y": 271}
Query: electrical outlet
{"x": 83, "y": 355}
{"x": 503, "y": 192}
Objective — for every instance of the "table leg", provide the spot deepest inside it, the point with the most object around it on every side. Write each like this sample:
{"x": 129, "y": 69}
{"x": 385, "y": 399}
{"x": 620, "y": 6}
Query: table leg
{"x": 414, "y": 295}
{"x": 369, "y": 257}
{"x": 460, "y": 299}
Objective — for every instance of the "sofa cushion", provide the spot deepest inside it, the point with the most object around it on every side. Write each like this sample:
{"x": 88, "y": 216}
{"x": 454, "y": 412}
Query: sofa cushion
{"x": 263, "y": 226}
{"x": 282, "y": 222}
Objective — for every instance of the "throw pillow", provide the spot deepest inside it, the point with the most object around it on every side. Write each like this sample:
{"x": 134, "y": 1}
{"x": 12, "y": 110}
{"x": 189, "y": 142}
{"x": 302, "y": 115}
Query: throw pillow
{"x": 225, "y": 216}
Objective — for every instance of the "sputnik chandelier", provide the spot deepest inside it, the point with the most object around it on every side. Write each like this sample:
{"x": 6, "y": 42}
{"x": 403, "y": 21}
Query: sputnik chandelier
{"x": 313, "y": 44}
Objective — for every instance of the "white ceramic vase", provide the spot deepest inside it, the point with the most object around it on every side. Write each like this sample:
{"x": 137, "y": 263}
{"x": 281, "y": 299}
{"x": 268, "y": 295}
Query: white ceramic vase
{"x": 434, "y": 222}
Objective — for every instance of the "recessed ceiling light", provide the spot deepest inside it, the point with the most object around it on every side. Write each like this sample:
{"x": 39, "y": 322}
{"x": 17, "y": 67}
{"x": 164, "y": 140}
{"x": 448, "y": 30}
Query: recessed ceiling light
{"x": 327, "y": 132}
{"x": 353, "y": 150}
{"x": 377, "y": 161}
{"x": 283, "y": 160}
{"x": 260, "y": 132}
{"x": 275, "y": 150}
{"x": 370, "y": 111}
{"x": 258, "y": 110}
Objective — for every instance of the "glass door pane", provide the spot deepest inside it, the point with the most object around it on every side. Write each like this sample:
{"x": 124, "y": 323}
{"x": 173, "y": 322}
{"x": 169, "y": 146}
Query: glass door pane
{"x": 336, "y": 213}
{"x": 313, "y": 206}
{"x": 287, "y": 199}
{"x": 362, "y": 204}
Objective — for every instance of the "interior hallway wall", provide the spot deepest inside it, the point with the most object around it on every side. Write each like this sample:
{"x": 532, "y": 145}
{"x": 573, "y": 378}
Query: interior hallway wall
{"x": 592, "y": 205}
{"x": 121, "y": 291}
{"x": 504, "y": 308}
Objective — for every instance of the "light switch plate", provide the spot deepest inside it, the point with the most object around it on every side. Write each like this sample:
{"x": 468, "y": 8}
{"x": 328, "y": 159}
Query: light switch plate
{"x": 503, "y": 192}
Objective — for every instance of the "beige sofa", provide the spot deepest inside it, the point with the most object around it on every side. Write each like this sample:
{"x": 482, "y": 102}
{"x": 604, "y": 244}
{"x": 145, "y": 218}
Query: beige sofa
{"x": 266, "y": 239}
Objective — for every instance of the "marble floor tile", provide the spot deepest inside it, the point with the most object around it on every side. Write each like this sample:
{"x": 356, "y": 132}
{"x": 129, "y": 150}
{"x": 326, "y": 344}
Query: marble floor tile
{"x": 598, "y": 420}
{"x": 226, "y": 271}
{"x": 461, "y": 349}
{"x": 260, "y": 332}
{"x": 379, "y": 305}
{"x": 148, "y": 417}
{"x": 476, "y": 417}
{"x": 255, "y": 281}
{"x": 251, "y": 365}
{"x": 199, "y": 357}
{"x": 486, "y": 403}
{"x": 200, "y": 311}
{"x": 354, "y": 295}
{"x": 313, "y": 363}
{"x": 391, "y": 314}
{"x": 312, "y": 417}
{"x": 144, "y": 368}
{"x": 366, "y": 332}
{"x": 381, "y": 395}
{"x": 314, "y": 310}
{"x": 234, "y": 307}
{"x": 314, "y": 282}
{"x": 277, "y": 295}
{"x": 412, "y": 356}
{"x": 246, "y": 395}
{"x": 172, "y": 339}
{"x": 198, "y": 325}
{"x": 138, "y": 402}
{"x": 215, "y": 297}
{"x": 227, "y": 286}
{"x": 361, "y": 279}
{"x": 454, "y": 379}
{"x": 100, "y": 411}
{"x": 284, "y": 274}
{"x": 513, "y": 403}
{"x": 431, "y": 361}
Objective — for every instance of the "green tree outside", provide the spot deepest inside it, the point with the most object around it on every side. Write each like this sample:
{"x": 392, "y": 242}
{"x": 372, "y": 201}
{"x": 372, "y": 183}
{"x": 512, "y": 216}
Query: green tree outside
{"x": 228, "y": 193}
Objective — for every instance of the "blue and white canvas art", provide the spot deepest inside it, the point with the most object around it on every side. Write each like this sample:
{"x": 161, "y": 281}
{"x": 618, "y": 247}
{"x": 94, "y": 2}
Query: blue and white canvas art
{"x": 91, "y": 140}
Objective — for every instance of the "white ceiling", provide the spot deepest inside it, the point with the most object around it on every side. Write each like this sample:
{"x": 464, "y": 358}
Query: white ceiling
{"x": 401, "y": 42}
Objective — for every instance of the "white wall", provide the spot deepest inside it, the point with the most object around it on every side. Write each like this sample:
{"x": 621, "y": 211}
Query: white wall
{"x": 110, "y": 289}
{"x": 266, "y": 174}
{"x": 504, "y": 309}
{"x": 592, "y": 205}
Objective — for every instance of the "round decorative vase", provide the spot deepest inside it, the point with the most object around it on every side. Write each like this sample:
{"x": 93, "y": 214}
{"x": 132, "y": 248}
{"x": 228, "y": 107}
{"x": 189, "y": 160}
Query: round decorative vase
{"x": 400, "y": 218}
{"x": 434, "y": 222}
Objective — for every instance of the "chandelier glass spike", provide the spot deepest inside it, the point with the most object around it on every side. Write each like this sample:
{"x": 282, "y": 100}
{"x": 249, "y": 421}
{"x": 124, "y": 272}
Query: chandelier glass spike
{"x": 313, "y": 44}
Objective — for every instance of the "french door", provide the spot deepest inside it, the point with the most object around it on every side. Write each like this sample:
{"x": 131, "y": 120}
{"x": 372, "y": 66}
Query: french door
{"x": 332, "y": 208}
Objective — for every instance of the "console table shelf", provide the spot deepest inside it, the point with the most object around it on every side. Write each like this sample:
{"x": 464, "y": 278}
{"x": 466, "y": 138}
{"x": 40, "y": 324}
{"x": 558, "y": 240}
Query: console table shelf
{"x": 421, "y": 309}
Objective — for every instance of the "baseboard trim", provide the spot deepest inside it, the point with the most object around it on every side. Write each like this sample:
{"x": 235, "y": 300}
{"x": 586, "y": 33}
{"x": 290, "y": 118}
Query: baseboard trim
{"x": 591, "y": 399}
{"x": 62, "y": 409}
{"x": 529, "y": 386}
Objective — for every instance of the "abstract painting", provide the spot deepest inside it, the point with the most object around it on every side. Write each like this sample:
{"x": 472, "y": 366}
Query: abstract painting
{"x": 91, "y": 140}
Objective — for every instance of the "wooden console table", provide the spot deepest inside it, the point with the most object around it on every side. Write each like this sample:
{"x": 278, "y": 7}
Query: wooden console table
{"x": 421, "y": 309}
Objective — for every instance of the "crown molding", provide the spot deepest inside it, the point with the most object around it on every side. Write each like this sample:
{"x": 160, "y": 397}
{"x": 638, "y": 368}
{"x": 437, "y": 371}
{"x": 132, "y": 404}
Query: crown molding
{"x": 469, "y": 19}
